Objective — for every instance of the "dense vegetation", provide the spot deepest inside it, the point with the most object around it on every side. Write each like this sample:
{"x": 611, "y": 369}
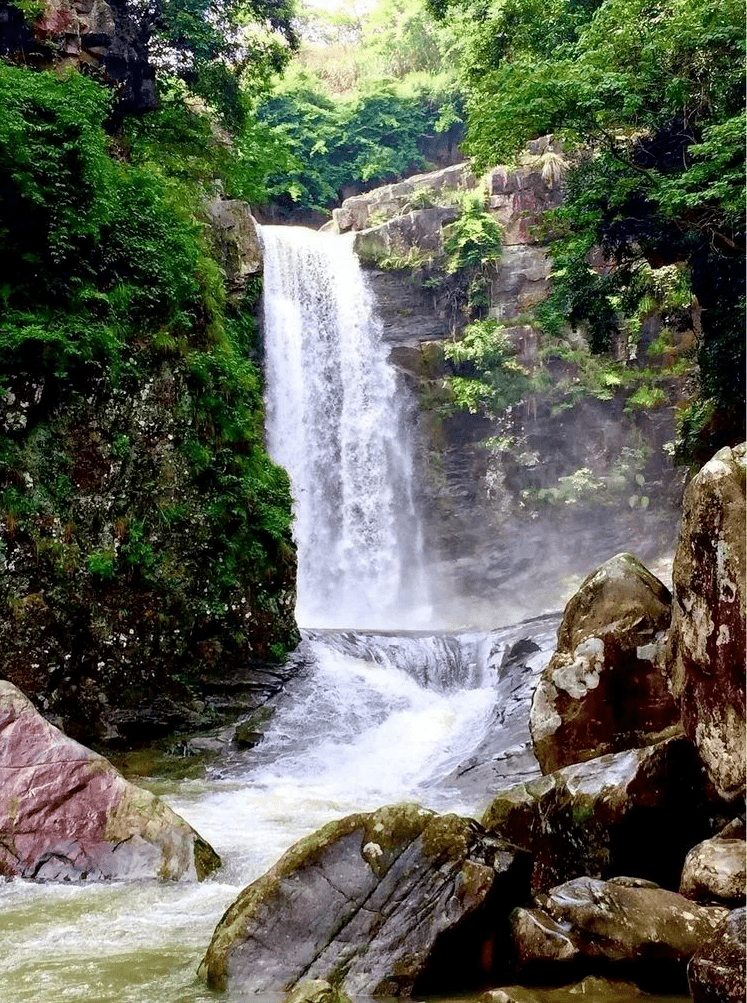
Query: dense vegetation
{"x": 361, "y": 100}
{"x": 146, "y": 534}
{"x": 648, "y": 96}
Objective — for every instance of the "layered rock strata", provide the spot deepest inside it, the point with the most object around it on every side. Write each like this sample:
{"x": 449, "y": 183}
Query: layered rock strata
{"x": 377, "y": 904}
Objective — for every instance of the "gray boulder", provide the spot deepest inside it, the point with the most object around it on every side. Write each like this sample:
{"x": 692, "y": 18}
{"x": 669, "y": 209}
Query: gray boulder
{"x": 714, "y": 871}
{"x": 376, "y": 904}
{"x": 705, "y": 659}
{"x": 625, "y": 924}
{"x": 716, "y": 973}
{"x": 604, "y": 689}
{"x": 635, "y": 812}
{"x": 66, "y": 814}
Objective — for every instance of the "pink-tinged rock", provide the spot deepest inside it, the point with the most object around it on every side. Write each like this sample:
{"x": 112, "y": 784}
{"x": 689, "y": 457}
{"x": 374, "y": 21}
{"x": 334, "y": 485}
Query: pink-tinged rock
{"x": 705, "y": 659}
{"x": 66, "y": 814}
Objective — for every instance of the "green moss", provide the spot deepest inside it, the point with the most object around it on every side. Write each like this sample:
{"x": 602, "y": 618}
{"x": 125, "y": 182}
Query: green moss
{"x": 138, "y": 502}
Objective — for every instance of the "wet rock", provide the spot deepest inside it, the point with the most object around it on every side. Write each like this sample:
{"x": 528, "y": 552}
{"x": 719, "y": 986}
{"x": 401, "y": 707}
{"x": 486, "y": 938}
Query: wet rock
{"x": 716, "y": 973}
{"x": 635, "y": 812}
{"x": 511, "y": 994}
{"x": 317, "y": 991}
{"x": 650, "y": 933}
{"x": 714, "y": 871}
{"x": 604, "y": 689}
{"x": 237, "y": 242}
{"x": 598, "y": 990}
{"x": 705, "y": 659}
{"x": 376, "y": 903}
{"x": 66, "y": 814}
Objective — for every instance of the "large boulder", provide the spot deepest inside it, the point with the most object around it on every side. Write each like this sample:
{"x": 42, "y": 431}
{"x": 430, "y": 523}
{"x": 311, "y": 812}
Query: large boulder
{"x": 627, "y": 924}
{"x": 604, "y": 689}
{"x": 714, "y": 871}
{"x": 705, "y": 659}
{"x": 716, "y": 973}
{"x": 375, "y": 903}
{"x": 66, "y": 814}
{"x": 635, "y": 812}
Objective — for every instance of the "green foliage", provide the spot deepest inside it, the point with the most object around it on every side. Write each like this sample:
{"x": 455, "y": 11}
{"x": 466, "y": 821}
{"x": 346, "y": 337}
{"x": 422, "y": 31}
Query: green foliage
{"x": 366, "y": 137}
{"x": 655, "y": 93}
{"x": 188, "y": 140}
{"x": 357, "y": 107}
{"x": 137, "y": 497}
{"x": 474, "y": 239}
{"x": 584, "y": 485}
{"x": 487, "y": 377}
{"x": 100, "y": 564}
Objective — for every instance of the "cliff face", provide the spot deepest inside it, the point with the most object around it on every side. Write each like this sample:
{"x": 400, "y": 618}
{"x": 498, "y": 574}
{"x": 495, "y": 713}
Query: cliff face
{"x": 94, "y": 34}
{"x": 139, "y": 559}
{"x": 521, "y": 500}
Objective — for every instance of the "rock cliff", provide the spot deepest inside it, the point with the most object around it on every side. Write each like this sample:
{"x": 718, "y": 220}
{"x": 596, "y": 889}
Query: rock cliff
{"x": 563, "y": 478}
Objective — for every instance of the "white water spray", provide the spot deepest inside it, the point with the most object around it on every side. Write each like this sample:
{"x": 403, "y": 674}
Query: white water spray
{"x": 340, "y": 423}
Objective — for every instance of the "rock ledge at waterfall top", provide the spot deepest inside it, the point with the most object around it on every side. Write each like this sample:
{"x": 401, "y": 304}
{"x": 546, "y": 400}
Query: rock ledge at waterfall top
{"x": 66, "y": 814}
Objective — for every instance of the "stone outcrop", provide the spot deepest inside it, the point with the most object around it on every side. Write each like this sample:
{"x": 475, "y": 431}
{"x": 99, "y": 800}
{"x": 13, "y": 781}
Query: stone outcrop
{"x": 237, "y": 242}
{"x": 637, "y": 812}
{"x": 67, "y": 815}
{"x": 714, "y": 871}
{"x": 390, "y": 201}
{"x": 106, "y": 655}
{"x": 624, "y": 924}
{"x": 604, "y": 689}
{"x": 707, "y": 638}
{"x": 86, "y": 33}
{"x": 376, "y": 904}
{"x": 716, "y": 973}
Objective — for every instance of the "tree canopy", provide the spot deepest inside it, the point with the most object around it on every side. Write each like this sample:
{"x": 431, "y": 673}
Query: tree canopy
{"x": 648, "y": 95}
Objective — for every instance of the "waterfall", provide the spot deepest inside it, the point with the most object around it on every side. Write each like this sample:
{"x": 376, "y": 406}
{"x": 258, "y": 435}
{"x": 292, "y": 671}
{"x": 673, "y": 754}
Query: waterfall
{"x": 339, "y": 421}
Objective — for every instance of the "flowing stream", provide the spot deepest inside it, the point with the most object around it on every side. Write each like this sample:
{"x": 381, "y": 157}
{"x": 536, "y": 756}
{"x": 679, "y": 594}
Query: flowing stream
{"x": 370, "y": 718}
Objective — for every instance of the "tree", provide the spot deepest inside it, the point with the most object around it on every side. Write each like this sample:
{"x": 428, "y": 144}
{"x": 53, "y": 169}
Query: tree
{"x": 652, "y": 92}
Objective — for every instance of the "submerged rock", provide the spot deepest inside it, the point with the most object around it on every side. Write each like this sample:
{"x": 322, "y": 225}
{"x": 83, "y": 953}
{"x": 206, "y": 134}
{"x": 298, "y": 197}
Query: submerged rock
{"x": 604, "y": 689}
{"x": 66, "y": 814}
{"x": 626, "y": 923}
{"x": 635, "y": 812}
{"x": 716, "y": 973}
{"x": 317, "y": 991}
{"x": 376, "y": 904}
{"x": 707, "y": 638}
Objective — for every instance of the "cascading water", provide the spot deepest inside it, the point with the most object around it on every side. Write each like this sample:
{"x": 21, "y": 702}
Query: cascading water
{"x": 369, "y": 719}
{"x": 339, "y": 422}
